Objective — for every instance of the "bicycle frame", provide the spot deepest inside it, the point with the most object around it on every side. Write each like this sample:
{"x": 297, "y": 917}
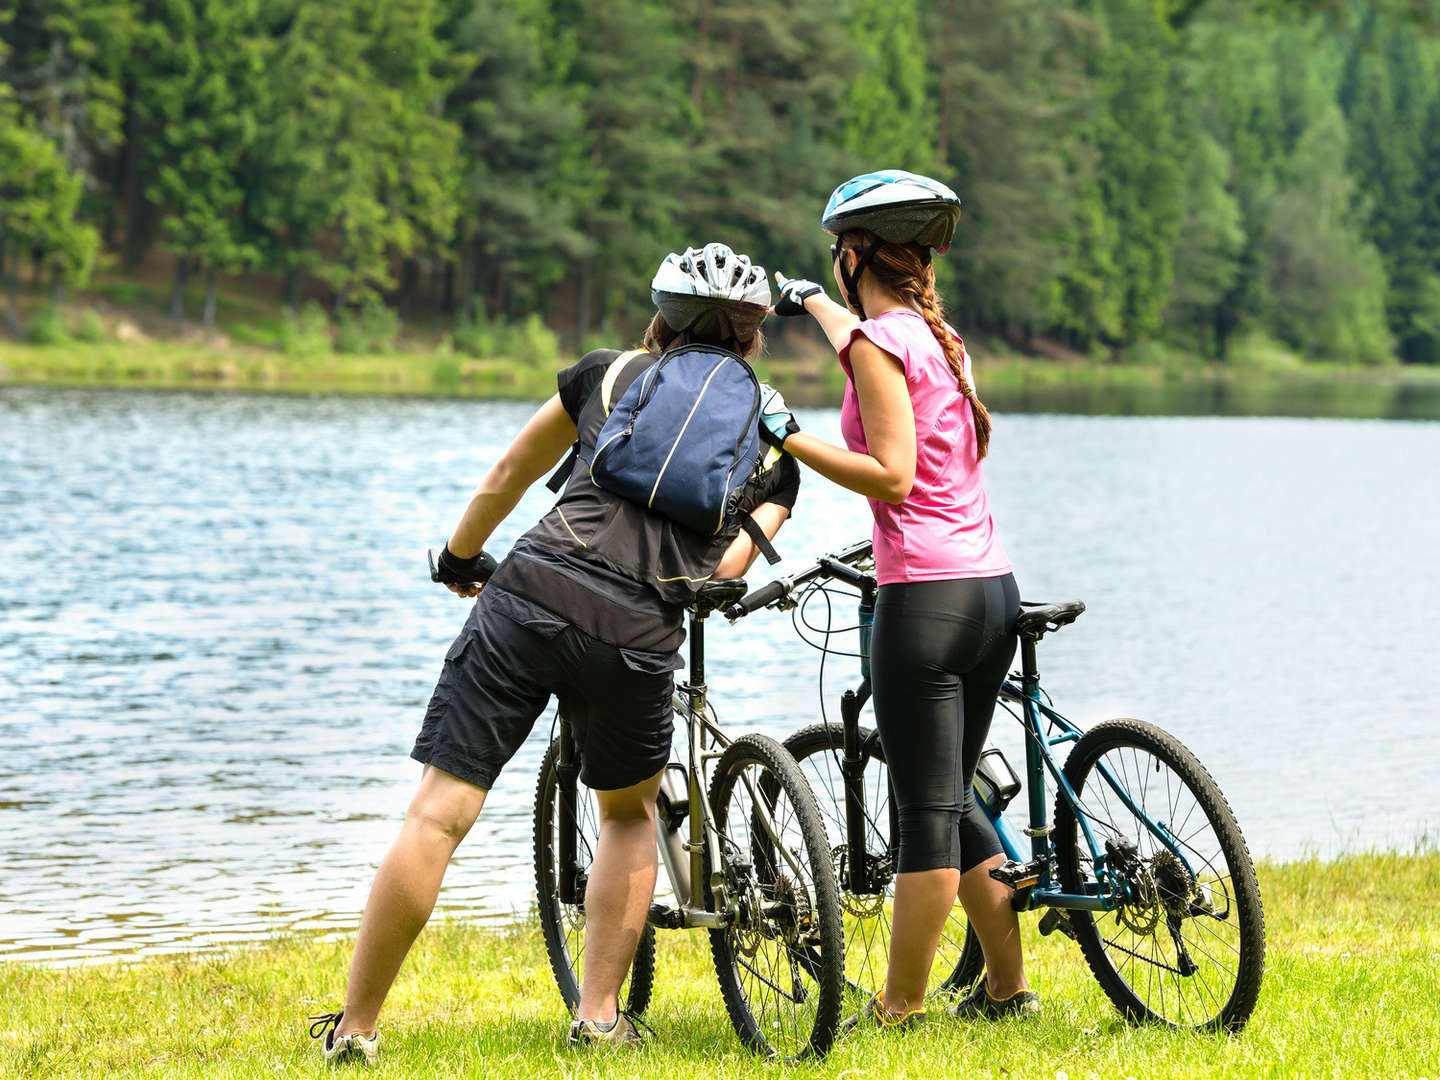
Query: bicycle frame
{"x": 1039, "y": 719}
{"x": 1109, "y": 890}
{"x": 705, "y": 742}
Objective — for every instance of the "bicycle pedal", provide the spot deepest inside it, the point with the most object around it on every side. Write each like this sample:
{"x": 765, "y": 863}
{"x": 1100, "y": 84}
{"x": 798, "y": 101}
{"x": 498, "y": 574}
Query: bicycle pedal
{"x": 666, "y": 918}
{"x": 1056, "y": 919}
{"x": 1018, "y": 875}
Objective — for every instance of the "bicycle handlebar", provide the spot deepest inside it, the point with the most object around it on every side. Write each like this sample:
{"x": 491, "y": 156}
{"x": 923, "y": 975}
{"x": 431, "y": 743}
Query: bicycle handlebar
{"x": 836, "y": 566}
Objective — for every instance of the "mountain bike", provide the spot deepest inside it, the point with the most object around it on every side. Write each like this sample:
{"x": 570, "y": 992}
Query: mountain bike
{"x": 1143, "y": 863}
{"x": 748, "y": 862}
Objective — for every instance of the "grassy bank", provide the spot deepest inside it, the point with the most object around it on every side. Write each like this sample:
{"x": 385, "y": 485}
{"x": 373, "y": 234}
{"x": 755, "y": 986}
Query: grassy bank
{"x": 1009, "y": 383}
{"x": 1351, "y": 990}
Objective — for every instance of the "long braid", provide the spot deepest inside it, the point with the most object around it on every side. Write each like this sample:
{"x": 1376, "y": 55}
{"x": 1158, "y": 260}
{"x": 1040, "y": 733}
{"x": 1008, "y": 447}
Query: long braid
{"x": 931, "y": 307}
{"x": 905, "y": 270}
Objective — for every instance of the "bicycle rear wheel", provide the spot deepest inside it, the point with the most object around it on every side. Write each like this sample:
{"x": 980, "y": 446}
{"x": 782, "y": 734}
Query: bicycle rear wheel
{"x": 959, "y": 961}
{"x": 562, "y": 924}
{"x": 780, "y": 959}
{"x": 1187, "y": 948}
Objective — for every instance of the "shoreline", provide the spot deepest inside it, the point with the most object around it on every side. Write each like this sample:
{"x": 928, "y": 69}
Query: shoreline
{"x": 1008, "y": 383}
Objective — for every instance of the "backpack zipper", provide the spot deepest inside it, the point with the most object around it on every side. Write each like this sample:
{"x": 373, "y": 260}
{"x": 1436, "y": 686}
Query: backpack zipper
{"x": 754, "y": 412}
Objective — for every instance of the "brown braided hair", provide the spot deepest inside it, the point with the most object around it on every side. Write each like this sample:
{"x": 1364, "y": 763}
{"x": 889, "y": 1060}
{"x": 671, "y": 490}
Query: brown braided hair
{"x": 906, "y": 271}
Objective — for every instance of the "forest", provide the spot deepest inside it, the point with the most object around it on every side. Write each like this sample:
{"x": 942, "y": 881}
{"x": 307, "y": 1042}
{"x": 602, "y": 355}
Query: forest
{"x": 1192, "y": 173}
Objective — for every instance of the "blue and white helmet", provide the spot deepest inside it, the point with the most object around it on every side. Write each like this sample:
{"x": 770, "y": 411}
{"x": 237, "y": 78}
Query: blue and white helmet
{"x": 712, "y": 287}
{"x": 897, "y": 206}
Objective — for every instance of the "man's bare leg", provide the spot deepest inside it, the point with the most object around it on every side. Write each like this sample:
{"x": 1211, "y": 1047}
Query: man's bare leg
{"x": 618, "y": 894}
{"x": 404, "y": 891}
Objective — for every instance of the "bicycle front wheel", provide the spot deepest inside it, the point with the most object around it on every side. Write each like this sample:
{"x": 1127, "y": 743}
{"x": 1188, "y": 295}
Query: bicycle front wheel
{"x": 780, "y": 958}
{"x": 868, "y": 915}
{"x": 563, "y": 924}
{"x": 1186, "y": 948}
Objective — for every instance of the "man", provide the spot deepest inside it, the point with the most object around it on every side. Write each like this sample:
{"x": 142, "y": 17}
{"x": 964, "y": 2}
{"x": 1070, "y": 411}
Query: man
{"x": 588, "y": 605}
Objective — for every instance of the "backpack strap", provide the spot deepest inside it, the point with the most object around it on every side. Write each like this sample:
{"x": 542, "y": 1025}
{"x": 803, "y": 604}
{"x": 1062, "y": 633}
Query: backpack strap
{"x": 607, "y": 390}
{"x": 757, "y": 534}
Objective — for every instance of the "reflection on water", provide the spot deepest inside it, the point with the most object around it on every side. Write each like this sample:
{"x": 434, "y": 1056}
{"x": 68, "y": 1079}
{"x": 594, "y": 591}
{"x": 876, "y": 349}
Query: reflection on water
{"x": 217, "y": 638}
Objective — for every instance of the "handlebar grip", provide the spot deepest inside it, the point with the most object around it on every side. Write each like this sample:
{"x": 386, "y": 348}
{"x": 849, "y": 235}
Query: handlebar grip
{"x": 753, "y": 601}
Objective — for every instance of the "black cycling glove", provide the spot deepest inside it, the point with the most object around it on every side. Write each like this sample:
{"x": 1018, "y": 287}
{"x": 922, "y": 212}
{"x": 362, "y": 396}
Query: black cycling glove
{"x": 793, "y": 294}
{"x": 453, "y": 570}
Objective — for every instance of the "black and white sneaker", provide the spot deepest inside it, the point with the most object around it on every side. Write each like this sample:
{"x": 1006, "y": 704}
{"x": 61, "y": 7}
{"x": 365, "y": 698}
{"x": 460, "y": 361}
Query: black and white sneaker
{"x": 337, "y": 1049}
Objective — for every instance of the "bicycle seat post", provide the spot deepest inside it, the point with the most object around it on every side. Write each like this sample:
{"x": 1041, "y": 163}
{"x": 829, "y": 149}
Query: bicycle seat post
{"x": 697, "y": 657}
{"x": 1029, "y": 669}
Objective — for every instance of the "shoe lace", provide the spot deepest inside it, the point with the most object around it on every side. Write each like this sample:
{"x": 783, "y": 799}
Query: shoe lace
{"x": 636, "y": 1021}
{"x": 324, "y": 1022}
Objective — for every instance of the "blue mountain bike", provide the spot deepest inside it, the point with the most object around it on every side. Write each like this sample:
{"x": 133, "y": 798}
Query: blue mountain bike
{"x": 1142, "y": 862}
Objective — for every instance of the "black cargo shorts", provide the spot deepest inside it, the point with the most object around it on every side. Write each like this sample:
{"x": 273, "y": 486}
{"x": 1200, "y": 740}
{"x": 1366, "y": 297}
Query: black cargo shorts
{"x": 500, "y": 673}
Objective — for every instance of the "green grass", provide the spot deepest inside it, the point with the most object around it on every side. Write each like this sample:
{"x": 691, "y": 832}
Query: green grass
{"x": 1351, "y": 989}
{"x": 171, "y": 365}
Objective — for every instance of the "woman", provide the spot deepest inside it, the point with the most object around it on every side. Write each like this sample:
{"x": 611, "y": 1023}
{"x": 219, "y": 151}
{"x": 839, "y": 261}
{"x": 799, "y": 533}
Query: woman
{"x": 943, "y": 635}
{"x": 594, "y": 619}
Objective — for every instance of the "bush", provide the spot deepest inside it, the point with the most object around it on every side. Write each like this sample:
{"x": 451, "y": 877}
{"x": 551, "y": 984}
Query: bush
{"x": 474, "y": 335}
{"x": 372, "y": 329}
{"x": 1256, "y": 351}
{"x": 306, "y": 334}
{"x": 47, "y": 328}
{"x": 381, "y": 327}
{"x": 90, "y": 328}
{"x": 533, "y": 343}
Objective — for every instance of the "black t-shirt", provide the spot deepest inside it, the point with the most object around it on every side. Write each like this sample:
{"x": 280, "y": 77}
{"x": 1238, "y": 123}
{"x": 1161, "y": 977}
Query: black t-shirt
{"x": 609, "y": 606}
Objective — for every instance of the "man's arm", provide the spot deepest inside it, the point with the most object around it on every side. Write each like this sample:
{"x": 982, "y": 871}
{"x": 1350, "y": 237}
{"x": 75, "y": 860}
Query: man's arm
{"x": 769, "y": 515}
{"x": 536, "y": 450}
{"x": 741, "y": 553}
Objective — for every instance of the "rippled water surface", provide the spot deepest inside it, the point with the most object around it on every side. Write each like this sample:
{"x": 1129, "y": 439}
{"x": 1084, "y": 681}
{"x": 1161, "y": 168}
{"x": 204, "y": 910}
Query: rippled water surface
{"x": 217, "y": 639}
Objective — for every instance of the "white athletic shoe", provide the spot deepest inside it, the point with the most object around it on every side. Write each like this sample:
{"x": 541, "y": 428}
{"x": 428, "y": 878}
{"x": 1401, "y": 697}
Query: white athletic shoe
{"x": 336, "y": 1049}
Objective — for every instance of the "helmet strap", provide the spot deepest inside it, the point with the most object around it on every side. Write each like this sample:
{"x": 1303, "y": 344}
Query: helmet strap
{"x": 851, "y": 279}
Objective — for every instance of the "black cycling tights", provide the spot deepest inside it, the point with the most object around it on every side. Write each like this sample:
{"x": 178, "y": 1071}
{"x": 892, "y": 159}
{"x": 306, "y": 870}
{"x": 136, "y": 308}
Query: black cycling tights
{"x": 938, "y": 654}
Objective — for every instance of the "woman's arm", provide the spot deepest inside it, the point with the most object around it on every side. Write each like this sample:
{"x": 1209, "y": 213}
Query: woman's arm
{"x": 836, "y": 321}
{"x": 887, "y": 472}
{"x": 536, "y": 450}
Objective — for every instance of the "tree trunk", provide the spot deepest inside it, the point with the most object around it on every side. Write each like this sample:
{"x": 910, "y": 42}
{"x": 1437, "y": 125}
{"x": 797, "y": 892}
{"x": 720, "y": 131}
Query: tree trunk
{"x": 409, "y": 278}
{"x": 177, "y": 290}
{"x": 12, "y": 311}
{"x": 447, "y": 290}
{"x": 702, "y": 38}
{"x": 292, "y": 289}
{"x": 582, "y": 305}
{"x": 137, "y": 206}
{"x": 469, "y": 255}
{"x": 207, "y": 318}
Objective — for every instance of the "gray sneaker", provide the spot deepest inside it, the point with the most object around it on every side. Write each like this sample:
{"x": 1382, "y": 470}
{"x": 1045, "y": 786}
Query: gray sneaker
{"x": 592, "y": 1032}
{"x": 981, "y": 1006}
{"x": 338, "y": 1049}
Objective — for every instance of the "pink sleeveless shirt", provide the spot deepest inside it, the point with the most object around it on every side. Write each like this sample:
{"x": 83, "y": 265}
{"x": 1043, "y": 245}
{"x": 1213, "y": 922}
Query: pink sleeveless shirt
{"x": 943, "y": 528}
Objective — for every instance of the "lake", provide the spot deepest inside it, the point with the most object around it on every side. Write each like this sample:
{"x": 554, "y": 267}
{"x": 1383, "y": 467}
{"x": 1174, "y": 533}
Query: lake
{"x": 217, "y": 638}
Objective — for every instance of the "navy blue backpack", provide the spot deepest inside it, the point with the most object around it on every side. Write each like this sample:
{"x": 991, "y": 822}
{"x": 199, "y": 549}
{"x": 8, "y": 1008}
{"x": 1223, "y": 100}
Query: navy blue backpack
{"x": 684, "y": 438}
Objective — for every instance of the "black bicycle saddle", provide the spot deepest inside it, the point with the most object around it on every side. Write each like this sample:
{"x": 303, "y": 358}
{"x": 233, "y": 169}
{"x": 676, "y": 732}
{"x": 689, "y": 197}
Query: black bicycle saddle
{"x": 1035, "y": 619}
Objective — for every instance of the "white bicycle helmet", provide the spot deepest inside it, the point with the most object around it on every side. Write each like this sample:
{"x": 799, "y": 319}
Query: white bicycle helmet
{"x": 712, "y": 289}
{"x": 895, "y": 205}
